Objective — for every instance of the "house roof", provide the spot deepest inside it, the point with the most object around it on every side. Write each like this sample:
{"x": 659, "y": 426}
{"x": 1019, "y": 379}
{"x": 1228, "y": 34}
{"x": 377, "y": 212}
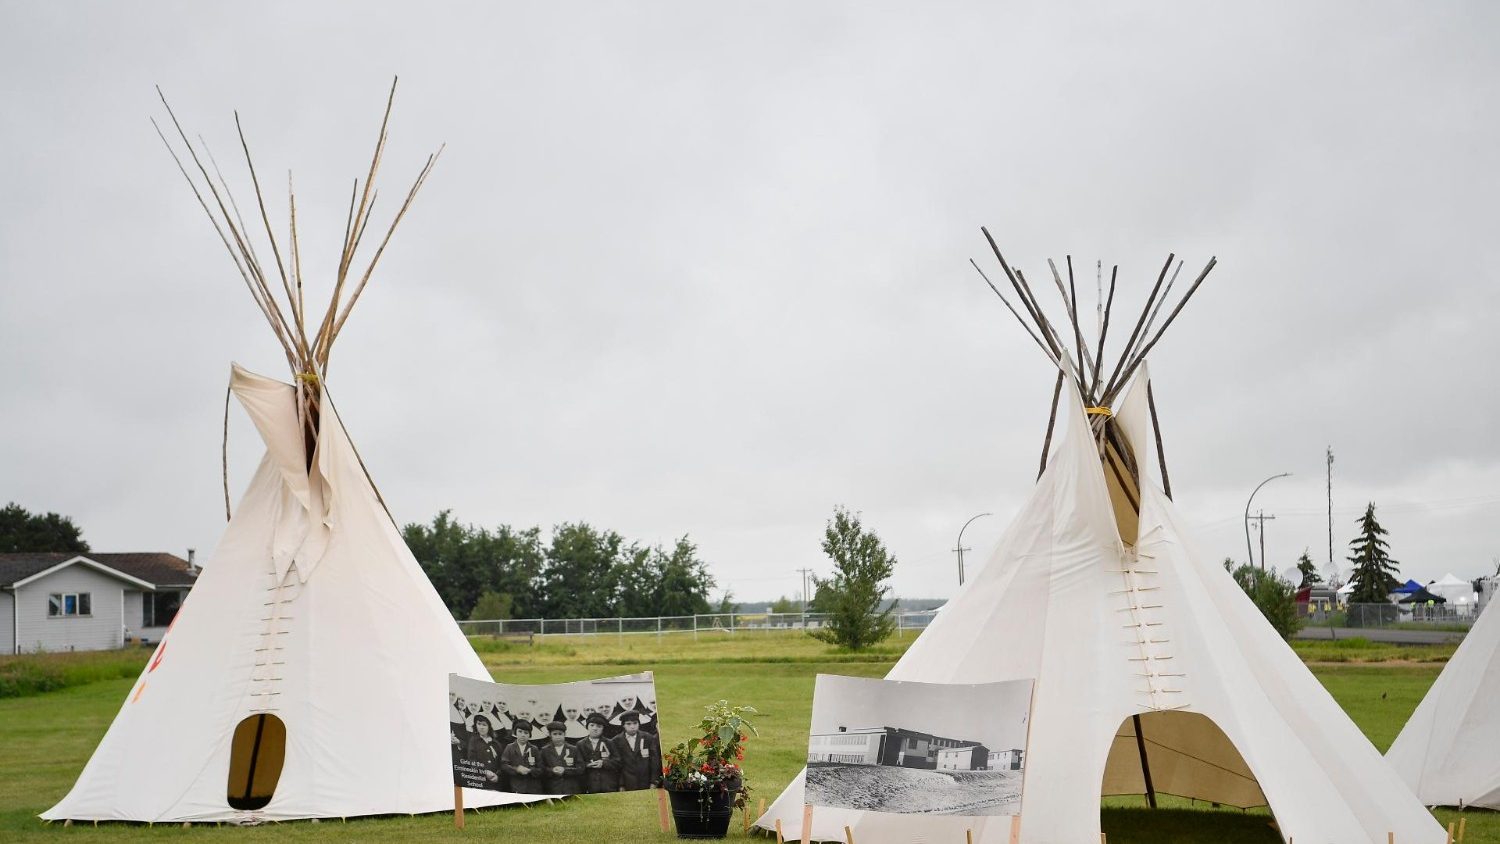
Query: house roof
{"x": 156, "y": 568}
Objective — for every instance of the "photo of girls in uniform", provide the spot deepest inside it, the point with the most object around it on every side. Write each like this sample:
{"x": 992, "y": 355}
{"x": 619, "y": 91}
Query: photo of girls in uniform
{"x": 589, "y": 737}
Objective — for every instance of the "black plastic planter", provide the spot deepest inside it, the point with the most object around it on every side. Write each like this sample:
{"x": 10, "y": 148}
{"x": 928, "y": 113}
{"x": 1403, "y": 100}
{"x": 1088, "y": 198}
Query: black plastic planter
{"x": 702, "y": 814}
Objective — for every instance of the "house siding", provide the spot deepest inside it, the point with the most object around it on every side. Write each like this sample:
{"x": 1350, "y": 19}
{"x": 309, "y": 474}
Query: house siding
{"x": 133, "y": 609}
{"x": 101, "y": 630}
{"x": 7, "y": 624}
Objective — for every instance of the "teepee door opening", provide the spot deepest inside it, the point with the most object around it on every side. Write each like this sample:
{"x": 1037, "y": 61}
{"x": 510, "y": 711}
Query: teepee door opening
{"x": 1183, "y": 754}
{"x": 255, "y": 758}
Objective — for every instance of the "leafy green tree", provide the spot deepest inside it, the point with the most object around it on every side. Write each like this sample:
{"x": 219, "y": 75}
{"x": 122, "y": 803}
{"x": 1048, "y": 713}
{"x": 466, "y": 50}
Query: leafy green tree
{"x": 463, "y": 562}
{"x": 22, "y": 531}
{"x": 1274, "y": 597}
{"x": 1309, "y": 570}
{"x": 726, "y": 604}
{"x": 655, "y": 582}
{"x": 852, "y": 598}
{"x": 785, "y": 605}
{"x": 492, "y": 606}
{"x": 580, "y": 578}
{"x": 1374, "y": 571}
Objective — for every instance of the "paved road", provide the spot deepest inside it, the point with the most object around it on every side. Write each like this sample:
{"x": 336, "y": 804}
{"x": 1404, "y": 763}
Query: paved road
{"x": 1382, "y": 634}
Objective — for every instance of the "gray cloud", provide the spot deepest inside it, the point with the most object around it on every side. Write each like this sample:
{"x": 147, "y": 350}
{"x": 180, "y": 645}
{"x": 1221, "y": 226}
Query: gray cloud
{"x": 694, "y": 269}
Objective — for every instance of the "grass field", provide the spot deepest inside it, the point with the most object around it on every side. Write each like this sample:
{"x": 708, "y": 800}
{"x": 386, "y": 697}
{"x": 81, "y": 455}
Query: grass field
{"x": 45, "y": 738}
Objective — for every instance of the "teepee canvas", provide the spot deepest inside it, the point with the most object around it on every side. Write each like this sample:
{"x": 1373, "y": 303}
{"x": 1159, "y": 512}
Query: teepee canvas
{"x": 1447, "y": 750}
{"x": 306, "y": 673}
{"x": 1153, "y": 672}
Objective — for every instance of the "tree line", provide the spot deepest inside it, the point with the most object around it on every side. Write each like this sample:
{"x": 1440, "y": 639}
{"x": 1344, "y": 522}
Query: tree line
{"x": 578, "y": 571}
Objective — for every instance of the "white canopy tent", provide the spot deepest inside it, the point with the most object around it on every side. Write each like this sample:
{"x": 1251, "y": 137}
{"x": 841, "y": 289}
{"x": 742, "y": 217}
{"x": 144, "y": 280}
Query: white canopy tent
{"x": 1447, "y": 750}
{"x": 1455, "y": 590}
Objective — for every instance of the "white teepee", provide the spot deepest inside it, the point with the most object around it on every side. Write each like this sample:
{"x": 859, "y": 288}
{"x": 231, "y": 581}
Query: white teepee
{"x": 311, "y": 610}
{"x": 306, "y": 673}
{"x": 1154, "y": 672}
{"x": 1447, "y": 750}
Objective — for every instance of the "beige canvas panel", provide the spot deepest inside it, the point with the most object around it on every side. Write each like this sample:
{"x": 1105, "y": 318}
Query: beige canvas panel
{"x": 1189, "y": 756}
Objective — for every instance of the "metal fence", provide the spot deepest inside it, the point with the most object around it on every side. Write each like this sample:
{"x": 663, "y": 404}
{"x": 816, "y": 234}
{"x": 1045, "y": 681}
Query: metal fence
{"x": 1415, "y": 616}
{"x": 907, "y": 622}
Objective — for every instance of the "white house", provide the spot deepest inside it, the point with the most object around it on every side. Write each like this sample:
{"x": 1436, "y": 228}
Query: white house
{"x": 88, "y": 601}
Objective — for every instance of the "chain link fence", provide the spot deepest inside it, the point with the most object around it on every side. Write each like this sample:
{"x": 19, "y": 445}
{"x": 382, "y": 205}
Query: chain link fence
{"x": 907, "y": 623}
{"x": 1412, "y": 616}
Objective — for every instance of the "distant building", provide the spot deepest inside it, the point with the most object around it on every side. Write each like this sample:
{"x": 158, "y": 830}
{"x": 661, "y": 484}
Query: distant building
{"x": 88, "y": 601}
{"x": 969, "y": 758}
{"x": 881, "y": 746}
{"x": 1006, "y": 760}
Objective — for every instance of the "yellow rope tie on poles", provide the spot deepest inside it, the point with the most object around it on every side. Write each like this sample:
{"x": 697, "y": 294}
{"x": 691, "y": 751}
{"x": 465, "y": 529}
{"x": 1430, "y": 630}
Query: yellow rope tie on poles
{"x": 1098, "y": 411}
{"x": 309, "y": 377}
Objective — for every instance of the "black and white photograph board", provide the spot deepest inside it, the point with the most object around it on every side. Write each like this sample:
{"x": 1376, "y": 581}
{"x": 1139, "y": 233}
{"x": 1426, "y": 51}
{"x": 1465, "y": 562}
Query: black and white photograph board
{"x": 918, "y": 748}
{"x": 588, "y": 737}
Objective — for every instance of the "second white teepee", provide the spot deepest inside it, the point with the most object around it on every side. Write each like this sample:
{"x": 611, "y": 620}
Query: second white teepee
{"x": 1154, "y": 672}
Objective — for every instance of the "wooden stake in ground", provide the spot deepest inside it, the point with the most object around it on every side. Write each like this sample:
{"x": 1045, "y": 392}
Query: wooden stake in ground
{"x": 458, "y": 807}
{"x": 806, "y": 823}
{"x": 848, "y": 835}
{"x": 661, "y": 809}
{"x": 1015, "y": 829}
{"x": 1462, "y": 824}
{"x": 779, "y": 838}
{"x": 969, "y": 836}
{"x": 1450, "y": 833}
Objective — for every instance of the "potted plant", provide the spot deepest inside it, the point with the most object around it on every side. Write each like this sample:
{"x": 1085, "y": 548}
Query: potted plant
{"x": 703, "y": 776}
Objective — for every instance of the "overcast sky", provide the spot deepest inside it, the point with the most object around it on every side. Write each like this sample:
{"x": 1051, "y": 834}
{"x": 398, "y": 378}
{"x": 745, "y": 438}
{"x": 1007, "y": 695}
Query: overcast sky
{"x": 701, "y": 268}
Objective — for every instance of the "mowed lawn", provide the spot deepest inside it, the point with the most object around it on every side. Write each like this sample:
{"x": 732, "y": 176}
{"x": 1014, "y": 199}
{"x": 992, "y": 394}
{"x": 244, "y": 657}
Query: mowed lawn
{"x": 46, "y": 738}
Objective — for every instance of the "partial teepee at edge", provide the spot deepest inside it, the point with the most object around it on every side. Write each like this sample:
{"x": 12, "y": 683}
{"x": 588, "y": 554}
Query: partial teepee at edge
{"x": 1154, "y": 672}
{"x": 305, "y": 674}
{"x": 1447, "y": 750}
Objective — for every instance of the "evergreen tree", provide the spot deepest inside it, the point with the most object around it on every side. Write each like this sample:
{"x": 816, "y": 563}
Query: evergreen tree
{"x": 853, "y": 597}
{"x": 1374, "y": 571}
{"x": 1309, "y": 570}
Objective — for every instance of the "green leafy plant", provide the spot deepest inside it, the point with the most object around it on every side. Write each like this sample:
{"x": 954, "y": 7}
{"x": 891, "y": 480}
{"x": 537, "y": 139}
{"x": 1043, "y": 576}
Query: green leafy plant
{"x": 712, "y": 763}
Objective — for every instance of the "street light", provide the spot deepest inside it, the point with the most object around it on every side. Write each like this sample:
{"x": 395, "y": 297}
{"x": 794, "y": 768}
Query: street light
{"x": 959, "y": 546}
{"x": 1249, "y": 551}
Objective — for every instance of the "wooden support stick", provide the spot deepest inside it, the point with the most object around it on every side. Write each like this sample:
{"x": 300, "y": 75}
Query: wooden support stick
{"x": 1390, "y": 838}
{"x": 1015, "y": 829}
{"x": 661, "y": 809}
{"x": 779, "y": 838}
{"x": 969, "y": 836}
{"x": 806, "y": 823}
{"x": 1449, "y": 840}
{"x": 848, "y": 835}
{"x": 746, "y": 813}
{"x": 760, "y": 812}
{"x": 1051, "y": 424}
{"x": 1463, "y": 823}
{"x": 458, "y": 807}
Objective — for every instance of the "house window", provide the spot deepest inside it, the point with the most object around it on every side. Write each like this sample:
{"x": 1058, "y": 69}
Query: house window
{"x": 61, "y": 605}
{"x": 159, "y": 608}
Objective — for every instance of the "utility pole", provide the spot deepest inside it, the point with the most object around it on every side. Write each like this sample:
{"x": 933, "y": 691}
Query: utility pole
{"x": 1330, "y": 507}
{"x": 806, "y": 573}
{"x": 1250, "y": 552}
{"x": 1262, "y": 518}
